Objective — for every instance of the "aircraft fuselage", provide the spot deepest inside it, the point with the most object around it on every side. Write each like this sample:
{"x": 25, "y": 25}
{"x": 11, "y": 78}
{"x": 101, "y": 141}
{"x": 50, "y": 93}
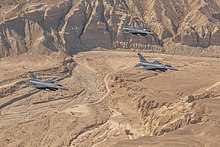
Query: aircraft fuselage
{"x": 137, "y": 31}
{"x": 45, "y": 85}
{"x": 157, "y": 66}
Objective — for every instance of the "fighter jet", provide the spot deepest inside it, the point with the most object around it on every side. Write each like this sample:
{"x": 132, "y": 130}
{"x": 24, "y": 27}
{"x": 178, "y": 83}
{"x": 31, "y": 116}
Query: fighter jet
{"x": 142, "y": 32}
{"x": 155, "y": 66}
{"x": 48, "y": 85}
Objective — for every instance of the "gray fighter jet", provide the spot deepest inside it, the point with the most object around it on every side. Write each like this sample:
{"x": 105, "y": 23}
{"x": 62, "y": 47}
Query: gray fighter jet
{"x": 155, "y": 66}
{"x": 142, "y": 32}
{"x": 48, "y": 85}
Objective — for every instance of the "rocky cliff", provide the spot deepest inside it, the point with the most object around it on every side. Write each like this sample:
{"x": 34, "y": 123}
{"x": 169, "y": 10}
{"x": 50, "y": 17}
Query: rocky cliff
{"x": 43, "y": 26}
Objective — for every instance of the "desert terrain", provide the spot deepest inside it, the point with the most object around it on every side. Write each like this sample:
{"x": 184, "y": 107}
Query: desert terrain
{"x": 109, "y": 102}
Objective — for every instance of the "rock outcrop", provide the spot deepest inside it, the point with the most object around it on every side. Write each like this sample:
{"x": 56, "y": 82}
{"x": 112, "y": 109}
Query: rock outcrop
{"x": 168, "y": 117}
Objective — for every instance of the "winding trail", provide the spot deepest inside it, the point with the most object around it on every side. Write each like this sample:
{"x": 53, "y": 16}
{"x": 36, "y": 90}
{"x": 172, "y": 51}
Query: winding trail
{"x": 106, "y": 85}
{"x": 107, "y": 93}
{"x": 110, "y": 122}
{"x": 51, "y": 123}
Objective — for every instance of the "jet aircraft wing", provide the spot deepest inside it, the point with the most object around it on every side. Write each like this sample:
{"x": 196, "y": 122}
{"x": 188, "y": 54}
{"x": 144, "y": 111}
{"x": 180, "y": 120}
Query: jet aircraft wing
{"x": 149, "y": 68}
{"x": 154, "y": 69}
{"x": 43, "y": 87}
{"x": 40, "y": 86}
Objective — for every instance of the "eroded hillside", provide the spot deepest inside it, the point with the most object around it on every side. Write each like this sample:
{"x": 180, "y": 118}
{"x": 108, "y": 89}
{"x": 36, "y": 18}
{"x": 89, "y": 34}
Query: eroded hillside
{"x": 42, "y": 26}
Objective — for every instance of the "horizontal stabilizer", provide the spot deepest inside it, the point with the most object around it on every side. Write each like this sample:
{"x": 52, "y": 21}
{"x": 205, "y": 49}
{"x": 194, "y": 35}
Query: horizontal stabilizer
{"x": 138, "y": 65}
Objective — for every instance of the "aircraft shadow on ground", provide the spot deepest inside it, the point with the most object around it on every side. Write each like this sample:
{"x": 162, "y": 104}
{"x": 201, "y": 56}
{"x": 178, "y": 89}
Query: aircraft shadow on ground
{"x": 18, "y": 99}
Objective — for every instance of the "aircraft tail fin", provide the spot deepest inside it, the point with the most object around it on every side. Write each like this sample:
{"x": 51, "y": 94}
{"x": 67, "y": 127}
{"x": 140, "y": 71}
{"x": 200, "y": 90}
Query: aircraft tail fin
{"x": 32, "y": 76}
{"x": 142, "y": 59}
{"x": 126, "y": 24}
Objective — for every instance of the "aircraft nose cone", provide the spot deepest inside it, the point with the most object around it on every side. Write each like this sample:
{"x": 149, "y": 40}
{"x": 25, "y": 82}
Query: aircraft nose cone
{"x": 173, "y": 68}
